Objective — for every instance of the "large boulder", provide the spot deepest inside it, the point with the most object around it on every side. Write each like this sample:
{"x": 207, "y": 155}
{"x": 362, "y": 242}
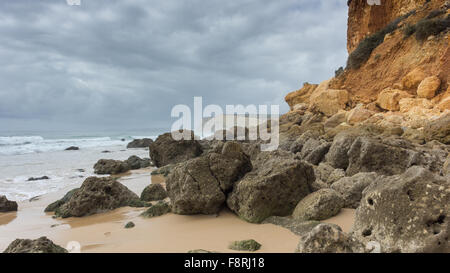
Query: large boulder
{"x": 372, "y": 155}
{"x": 319, "y": 205}
{"x": 328, "y": 238}
{"x": 351, "y": 188}
{"x": 199, "y": 186}
{"x": 140, "y": 143}
{"x": 98, "y": 195}
{"x": 153, "y": 192}
{"x": 135, "y": 162}
{"x": 413, "y": 79}
{"x": 428, "y": 87}
{"x": 6, "y": 205}
{"x": 55, "y": 205}
{"x": 110, "y": 166}
{"x": 313, "y": 151}
{"x": 329, "y": 101}
{"x": 337, "y": 155}
{"x": 438, "y": 129}
{"x": 165, "y": 150}
{"x": 406, "y": 213}
{"x": 273, "y": 188}
{"x": 300, "y": 96}
{"x": 41, "y": 245}
{"x": 389, "y": 99}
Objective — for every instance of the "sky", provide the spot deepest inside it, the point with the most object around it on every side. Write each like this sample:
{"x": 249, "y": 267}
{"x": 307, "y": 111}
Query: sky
{"x": 125, "y": 64}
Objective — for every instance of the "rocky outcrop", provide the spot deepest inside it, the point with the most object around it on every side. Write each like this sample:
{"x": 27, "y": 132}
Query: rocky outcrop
{"x": 6, "y": 205}
{"x": 438, "y": 129}
{"x": 320, "y": 205}
{"x": 199, "y": 186}
{"x": 245, "y": 245}
{"x": 38, "y": 178}
{"x": 55, "y": 205}
{"x": 156, "y": 210}
{"x": 140, "y": 143}
{"x": 135, "y": 162}
{"x": 328, "y": 238}
{"x": 273, "y": 188}
{"x": 98, "y": 195}
{"x": 371, "y": 155}
{"x": 313, "y": 150}
{"x": 110, "y": 166}
{"x": 153, "y": 192}
{"x": 165, "y": 150}
{"x": 351, "y": 188}
{"x": 406, "y": 213}
{"x": 300, "y": 96}
{"x": 72, "y": 148}
{"x": 41, "y": 245}
{"x": 328, "y": 101}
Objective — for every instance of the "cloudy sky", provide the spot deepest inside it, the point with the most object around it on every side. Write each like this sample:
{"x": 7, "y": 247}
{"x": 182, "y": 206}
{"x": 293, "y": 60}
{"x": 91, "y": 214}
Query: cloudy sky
{"x": 126, "y": 63}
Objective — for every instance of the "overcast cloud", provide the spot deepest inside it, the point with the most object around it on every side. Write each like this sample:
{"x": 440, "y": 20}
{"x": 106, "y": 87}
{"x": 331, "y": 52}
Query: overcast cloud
{"x": 127, "y": 63}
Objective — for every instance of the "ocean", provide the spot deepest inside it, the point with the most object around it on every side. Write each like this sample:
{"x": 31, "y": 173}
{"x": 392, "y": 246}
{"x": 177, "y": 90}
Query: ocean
{"x": 42, "y": 153}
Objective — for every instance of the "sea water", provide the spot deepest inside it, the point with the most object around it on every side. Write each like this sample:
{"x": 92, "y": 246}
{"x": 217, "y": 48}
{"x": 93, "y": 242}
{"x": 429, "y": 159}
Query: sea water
{"x": 35, "y": 154}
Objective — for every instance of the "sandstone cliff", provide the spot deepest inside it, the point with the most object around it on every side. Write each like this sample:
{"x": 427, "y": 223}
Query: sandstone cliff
{"x": 398, "y": 67}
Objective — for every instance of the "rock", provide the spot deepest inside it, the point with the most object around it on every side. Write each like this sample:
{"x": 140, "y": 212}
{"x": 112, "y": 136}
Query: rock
{"x": 130, "y": 225}
{"x": 428, "y": 87}
{"x": 165, "y": 150}
{"x": 135, "y": 162}
{"x": 72, "y": 148}
{"x": 153, "y": 192}
{"x": 389, "y": 99}
{"x": 313, "y": 151}
{"x": 55, "y": 205}
{"x": 140, "y": 143}
{"x": 106, "y": 152}
{"x": 337, "y": 155}
{"x": 165, "y": 171}
{"x": 351, "y": 188}
{"x": 329, "y": 101}
{"x": 328, "y": 174}
{"x": 110, "y": 166}
{"x": 273, "y": 188}
{"x": 202, "y": 251}
{"x": 300, "y": 96}
{"x": 438, "y": 129}
{"x": 98, "y": 195}
{"x": 6, "y": 205}
{"x": 246, "y": 245}
{"x": 198, "y": 186}
{"x": 319, "y": 205}
{"x": 409, "y": 212}
{"x": 335, "y": 120}
{"x": 41, "y": 245}
{"x": 38, "y": 178}
{"x": 372, "y": 155}
{"x": 413, "y": 79}
{"x": 358, "y": 114}
{"x": 156, "y": 210}
{"x": 444, "y": 104}
{"x": 297, "y": 227}
{"x": 446, "y": 168}
{"x": 328, "y": 238}
{"x": 408, "y": 104}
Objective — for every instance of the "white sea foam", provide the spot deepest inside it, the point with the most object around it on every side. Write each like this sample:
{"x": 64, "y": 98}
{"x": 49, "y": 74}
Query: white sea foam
{"x": 22, "y": 157}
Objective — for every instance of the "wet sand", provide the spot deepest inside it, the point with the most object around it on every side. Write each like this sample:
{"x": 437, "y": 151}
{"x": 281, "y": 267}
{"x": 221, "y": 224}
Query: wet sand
{"x": 168, "y": 233}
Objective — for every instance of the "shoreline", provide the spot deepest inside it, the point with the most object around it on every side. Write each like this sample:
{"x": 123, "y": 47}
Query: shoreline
{"x": 169, "y": 233}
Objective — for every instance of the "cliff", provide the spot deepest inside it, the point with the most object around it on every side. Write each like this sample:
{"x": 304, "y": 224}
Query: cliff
{"x": 398, "y": 67}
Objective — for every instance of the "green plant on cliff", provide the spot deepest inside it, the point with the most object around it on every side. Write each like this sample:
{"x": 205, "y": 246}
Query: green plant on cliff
{"x": 427, "y": 27}
{"x": 362, "y": 53}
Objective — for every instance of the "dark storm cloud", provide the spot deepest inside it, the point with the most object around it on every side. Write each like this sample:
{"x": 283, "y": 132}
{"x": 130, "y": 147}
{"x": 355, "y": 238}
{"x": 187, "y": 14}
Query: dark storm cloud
{"x": 125, "y": 63}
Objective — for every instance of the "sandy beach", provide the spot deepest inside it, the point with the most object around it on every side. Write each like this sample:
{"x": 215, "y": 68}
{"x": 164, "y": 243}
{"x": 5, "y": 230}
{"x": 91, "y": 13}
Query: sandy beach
{"x": 165, "y": 234}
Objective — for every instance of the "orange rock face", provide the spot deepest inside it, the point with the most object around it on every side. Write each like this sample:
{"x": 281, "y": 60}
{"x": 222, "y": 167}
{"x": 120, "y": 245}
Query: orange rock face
{"x": 364, "y": 19}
